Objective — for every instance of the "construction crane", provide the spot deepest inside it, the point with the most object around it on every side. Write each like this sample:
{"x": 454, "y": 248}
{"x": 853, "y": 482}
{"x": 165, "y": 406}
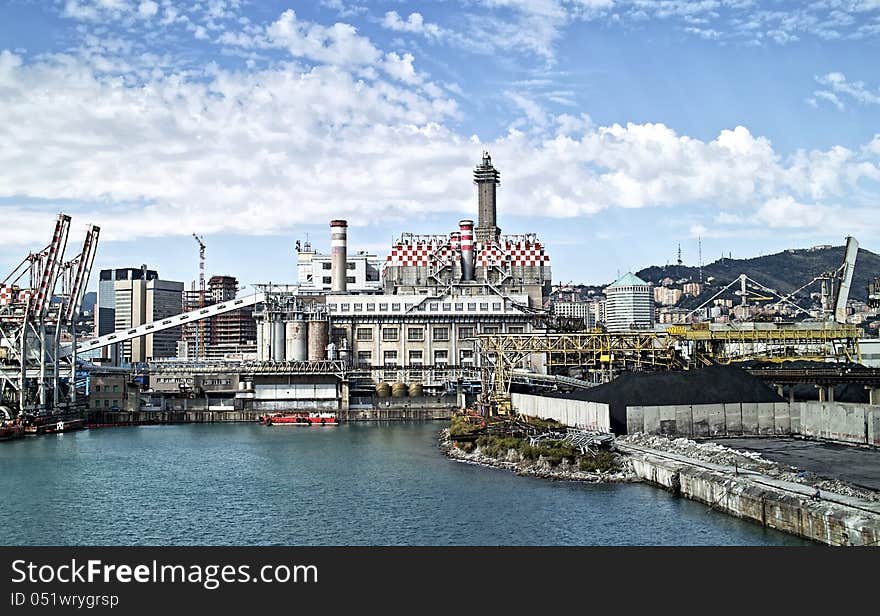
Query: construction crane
{"x": 200, "y": 330}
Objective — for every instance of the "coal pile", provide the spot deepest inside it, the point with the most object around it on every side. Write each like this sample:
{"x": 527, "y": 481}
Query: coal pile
{"x": 710, "y": 385}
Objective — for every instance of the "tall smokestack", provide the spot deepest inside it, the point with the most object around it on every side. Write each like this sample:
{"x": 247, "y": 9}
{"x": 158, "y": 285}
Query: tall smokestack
{"x": 486, "y": 177}
{"x": 338, "y": 256}
{"x": 467, "y": 249}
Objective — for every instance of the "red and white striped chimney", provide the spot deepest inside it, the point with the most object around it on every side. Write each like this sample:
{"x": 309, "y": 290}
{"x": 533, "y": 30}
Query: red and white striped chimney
{"x": 467, "y": 249}
{"x": 338, "y": 256}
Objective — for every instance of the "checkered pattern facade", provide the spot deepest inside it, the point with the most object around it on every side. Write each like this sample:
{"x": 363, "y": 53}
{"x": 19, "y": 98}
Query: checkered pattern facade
{"x": 12, "y": 295}
{"x": 503, "y": 253}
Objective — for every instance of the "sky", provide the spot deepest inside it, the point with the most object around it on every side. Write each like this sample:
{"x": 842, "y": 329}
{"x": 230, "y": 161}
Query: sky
{"x": 623, "y": 129}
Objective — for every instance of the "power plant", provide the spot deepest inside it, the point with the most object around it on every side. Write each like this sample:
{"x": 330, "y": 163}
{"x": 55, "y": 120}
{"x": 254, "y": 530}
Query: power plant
{"x": 449, "y": 314}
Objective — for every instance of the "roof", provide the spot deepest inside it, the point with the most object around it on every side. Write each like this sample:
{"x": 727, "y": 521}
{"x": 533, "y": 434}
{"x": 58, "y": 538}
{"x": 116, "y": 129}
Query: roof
{"x": 629, "y": 280}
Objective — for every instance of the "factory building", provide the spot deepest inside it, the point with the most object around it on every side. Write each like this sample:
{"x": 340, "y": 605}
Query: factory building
{"x": 629, "y": 304}
{"x": 438, "y": 293}
{"x": 363, "y": 273}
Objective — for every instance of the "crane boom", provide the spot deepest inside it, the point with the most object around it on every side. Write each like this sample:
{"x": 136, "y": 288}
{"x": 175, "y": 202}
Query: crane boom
{"x": 83, "y": 272}
{"x": 846, "y": 275}
{"x": 54, "y": 254}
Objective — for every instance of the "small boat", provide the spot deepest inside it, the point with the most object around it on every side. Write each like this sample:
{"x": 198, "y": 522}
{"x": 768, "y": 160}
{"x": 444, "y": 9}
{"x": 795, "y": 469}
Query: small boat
{"x": 48, "y": 424}
{"x": 299, "y": 419}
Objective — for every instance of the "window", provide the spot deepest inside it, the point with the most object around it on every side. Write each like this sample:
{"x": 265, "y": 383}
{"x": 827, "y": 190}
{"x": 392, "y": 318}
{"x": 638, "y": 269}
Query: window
{"x": 434, "y": 306}
{"x": 472, "y": 306}
{"x": 415, "y": 358}
{"x": 338, "y": 333}
{"x": 415, "y": 334}
{"x": 484, "y": 305}
{"x": 390, "y": 358}
{"x": 326, "y": 279}
{"x": 490, "y": 329}
{"x": 496, "y": 305}
{"x": 344, "y": 307}
{"x": 364, "y": 358}
{"x": 395, "y": 307}
{"x": 441, "y": 333}
{"x": 358, "y": 307}
{"x": 116, "y": 403}
{"x": 116, "y": 389}
{"x": 467, "y": 356}
{"x": 365, "y": 334}
{"x": 447, "y": 307}
{"x": 517, "y": 329}
{"x": 459, "y": 306}
{"x": 326, "y": 265}
{"x": 441, "y": 357}
{"x": 383, "y": 307}
{"x": 350, "y": 265}
{"x": 350, "y": 279}
{"x": 97, "y": 389}
{"x": 106, "y": 403}
{"x": 465, "y": 332}
{"x": 331, "y": 307}
{"x": 389, "y": 334}
{"x": 371, "y": 307}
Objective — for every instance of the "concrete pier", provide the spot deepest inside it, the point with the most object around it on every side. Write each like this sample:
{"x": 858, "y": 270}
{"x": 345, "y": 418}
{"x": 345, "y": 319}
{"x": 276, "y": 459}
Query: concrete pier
{"x": 782, "y": 505}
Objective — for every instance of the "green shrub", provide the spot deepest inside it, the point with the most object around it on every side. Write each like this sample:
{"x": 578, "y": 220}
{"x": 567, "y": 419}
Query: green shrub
{"x": 601, "y": 462}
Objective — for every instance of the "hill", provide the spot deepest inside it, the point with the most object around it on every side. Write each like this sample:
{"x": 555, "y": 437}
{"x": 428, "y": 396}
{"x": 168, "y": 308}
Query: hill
{"x": 784, "y": 271}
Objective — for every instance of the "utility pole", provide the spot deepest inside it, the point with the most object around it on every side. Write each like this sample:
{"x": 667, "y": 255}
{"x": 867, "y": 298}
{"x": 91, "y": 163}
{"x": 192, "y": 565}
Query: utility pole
{"x": 200, "y": 331}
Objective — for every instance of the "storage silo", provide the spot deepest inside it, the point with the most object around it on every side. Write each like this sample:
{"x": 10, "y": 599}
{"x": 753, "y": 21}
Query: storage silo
{"x": 278, "y": 343}
{"x": 297, "y": 339}
{"x": 319, "y": 338}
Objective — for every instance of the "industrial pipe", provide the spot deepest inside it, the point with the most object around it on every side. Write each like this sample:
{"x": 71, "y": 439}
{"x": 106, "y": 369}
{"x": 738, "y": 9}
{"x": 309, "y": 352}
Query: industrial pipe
{"x": 467, "y": 250}
{"x": 338, "y": 256}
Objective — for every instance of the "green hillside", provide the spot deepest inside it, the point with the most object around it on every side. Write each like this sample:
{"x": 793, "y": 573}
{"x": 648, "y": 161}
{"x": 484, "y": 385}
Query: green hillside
{"x": 784, "y": 271}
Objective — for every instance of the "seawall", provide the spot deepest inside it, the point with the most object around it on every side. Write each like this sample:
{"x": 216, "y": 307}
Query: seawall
{"x": 784, "y": 506}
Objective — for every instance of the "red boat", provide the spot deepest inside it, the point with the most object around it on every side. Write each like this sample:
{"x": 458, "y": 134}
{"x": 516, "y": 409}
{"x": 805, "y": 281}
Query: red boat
{"x": 52, "y": 425}
{"x": 299, "y": 419}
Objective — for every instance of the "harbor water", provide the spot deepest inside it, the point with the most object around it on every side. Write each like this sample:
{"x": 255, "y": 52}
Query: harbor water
{"x": 356, "y": 484}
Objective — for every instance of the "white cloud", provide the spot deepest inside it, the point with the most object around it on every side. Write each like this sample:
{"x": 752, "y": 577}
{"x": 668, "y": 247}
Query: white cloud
{"x": 857, "y": 90}
{"x": 148, "y": 8}
{"x": 414, "y": 24}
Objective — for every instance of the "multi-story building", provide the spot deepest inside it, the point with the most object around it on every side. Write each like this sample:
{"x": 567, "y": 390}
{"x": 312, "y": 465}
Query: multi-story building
{"x": 630, "y": 304}
{"x": 112, "y": 389}
{"x": 579, "y": 310}
{"x": 667, "y": 296}
{"x": 105, "y": 308}
{"x": 313, "y": 271}
{"x": 692, "y": 288}
{"x": 139, "y": 299}
{"x": 231, "y": 334}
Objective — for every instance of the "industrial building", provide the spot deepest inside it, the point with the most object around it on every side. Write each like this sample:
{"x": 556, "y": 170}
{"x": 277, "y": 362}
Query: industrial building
{"x": 439, "y": 292}
{"x": 363, "y": 271}
{"x": 577, "y": 310}
{"x": 630, "y": 304}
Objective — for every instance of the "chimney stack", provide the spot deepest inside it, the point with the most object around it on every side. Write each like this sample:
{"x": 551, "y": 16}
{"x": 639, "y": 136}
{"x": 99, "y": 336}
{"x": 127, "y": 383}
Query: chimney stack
{"x": 467, "y": 250}
{"x": 338, "y": 256}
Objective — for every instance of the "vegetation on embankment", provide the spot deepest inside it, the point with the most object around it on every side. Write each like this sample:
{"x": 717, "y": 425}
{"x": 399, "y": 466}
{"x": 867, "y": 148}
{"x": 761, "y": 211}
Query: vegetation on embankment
{"x": 509, "y": 443}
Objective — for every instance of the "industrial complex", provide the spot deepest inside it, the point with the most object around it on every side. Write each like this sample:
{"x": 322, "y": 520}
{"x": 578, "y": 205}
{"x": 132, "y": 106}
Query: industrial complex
{"x": 443, "y": 321}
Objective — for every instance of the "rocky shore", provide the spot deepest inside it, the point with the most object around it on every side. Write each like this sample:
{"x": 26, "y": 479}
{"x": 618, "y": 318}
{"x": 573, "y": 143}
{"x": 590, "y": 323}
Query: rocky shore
{"x": 541, "y": 468}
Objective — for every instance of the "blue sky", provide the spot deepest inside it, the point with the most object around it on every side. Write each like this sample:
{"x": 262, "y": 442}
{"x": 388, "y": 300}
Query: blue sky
{"x": 622, "y": 128}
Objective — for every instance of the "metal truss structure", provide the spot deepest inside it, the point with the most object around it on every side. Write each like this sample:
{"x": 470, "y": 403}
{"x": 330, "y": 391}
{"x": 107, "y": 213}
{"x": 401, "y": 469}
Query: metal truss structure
{"x": 680, "y": 347}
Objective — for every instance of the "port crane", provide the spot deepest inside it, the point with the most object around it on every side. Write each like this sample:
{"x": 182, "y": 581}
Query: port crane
{"x": 33, "y": 317}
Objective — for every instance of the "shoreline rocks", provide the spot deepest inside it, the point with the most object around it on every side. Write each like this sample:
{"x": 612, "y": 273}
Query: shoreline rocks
{"x": 541, "y": 468}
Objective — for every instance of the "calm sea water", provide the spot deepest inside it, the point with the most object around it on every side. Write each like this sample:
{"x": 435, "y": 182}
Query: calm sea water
{"x": 358, "y": 484}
